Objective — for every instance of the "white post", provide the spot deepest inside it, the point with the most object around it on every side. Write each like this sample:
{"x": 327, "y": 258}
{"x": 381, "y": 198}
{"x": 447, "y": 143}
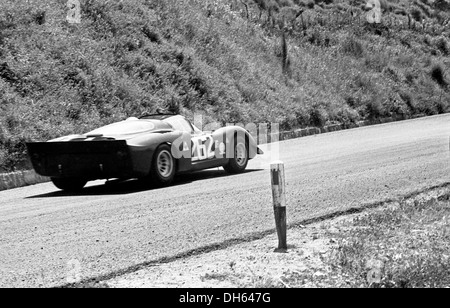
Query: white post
{"x": 279, "y": 203}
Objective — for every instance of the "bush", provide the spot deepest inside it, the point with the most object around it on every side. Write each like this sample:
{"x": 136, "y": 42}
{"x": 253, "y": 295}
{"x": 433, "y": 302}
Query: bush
{"x": 318, "y": 116}
{"x": 151, "y": 34}
{"x": 374, "y": 108}
{"x": 437, "y": 74}
{"x": 40, "y": 17}
{"x": 442, "y": 45}
{"x": 352, "y": 46}
{"x": 347, "y": 115}
{"x": 408, "y": 98}
{"x": 416, "y": 14}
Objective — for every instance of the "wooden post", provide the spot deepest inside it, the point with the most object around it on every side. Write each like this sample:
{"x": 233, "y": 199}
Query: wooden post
{"x": 279, "y": 203}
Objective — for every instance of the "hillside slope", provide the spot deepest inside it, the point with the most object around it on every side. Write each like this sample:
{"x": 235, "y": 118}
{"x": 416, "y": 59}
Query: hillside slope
{"x": 225, "y": 59}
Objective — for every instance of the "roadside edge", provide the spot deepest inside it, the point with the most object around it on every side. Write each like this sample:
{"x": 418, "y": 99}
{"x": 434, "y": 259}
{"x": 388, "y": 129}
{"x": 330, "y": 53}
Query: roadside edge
{"x": 20, "y": 179}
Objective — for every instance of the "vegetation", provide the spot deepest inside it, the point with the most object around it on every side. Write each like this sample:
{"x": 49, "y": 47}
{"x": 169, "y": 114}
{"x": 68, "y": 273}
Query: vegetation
{"x": 295, "y": 62}
{"x": 404, "y": 247}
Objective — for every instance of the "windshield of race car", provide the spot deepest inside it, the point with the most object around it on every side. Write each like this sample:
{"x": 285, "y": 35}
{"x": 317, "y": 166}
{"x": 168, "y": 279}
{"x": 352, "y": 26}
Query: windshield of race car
{"x": 130, "y": 126}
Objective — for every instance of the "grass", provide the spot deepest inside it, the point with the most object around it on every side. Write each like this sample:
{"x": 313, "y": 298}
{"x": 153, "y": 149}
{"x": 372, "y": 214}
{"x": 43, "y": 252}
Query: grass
{"x": 410, "y": 244}
{"x": 224, "y": 59}
{"x": 404, "y": 246}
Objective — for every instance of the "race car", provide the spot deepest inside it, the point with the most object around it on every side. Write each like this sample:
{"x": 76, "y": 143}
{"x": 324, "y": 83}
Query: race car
{"x": 153, "y": 148}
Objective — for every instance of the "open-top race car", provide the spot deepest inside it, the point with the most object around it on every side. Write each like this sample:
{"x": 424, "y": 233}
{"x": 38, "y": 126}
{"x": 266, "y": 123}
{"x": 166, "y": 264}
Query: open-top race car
{"x": 153, "y": 148}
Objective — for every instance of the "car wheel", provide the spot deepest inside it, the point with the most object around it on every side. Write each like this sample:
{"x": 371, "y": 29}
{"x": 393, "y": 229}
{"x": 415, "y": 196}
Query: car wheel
{"x": 238, "y": 163}
{"x": 163, "y": 167}
{"x": 69, "y": 184}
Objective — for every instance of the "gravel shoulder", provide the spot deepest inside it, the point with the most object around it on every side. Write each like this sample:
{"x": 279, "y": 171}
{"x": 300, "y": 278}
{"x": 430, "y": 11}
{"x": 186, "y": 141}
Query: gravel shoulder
{"x": 253, "y": 264}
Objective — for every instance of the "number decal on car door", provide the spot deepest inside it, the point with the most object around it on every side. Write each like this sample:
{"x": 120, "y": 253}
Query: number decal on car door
{"x": 202, "y": 148}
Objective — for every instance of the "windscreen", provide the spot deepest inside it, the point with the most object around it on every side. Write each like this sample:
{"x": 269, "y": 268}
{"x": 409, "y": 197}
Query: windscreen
{"x": 130, "y": 127}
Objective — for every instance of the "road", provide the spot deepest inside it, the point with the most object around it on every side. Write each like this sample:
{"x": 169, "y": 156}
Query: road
{"x": 115, "y": 227}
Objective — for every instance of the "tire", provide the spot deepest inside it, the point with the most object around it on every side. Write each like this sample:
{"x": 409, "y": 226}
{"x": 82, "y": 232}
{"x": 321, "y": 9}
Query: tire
{"x": 239, "y": 162}
{"x": 69, "y": 184}
{"x": 163, "y": 168}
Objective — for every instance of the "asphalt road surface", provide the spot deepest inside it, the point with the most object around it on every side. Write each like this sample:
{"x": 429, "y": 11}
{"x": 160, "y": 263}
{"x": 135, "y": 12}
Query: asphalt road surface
{"x": 109, "y": 228}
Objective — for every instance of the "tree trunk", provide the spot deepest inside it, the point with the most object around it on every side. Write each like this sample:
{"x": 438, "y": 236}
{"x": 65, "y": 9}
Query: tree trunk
{"x": 246, "y": 9}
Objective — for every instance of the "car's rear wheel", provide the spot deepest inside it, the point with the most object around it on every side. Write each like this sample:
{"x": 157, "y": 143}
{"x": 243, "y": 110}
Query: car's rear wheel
{"x": 163, "y": 166}
{"x": 69, "y": 184}
{"x": 239, "y": 161}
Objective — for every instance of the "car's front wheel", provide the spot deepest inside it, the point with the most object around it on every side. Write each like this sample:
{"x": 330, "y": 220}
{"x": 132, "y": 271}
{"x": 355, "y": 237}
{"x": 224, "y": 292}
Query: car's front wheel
{"x": 239, "y": 161}
{"x": 69, "y": 184}
{"x": 163, "y": 166}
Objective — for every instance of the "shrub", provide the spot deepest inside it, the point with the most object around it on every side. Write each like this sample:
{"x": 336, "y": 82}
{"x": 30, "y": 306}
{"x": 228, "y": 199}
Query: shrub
{"x": 437, "y": 74}
{"x": 262, "y": 4}
{"x": 352, "y": 46}
{"x": 347, "y": 115}
{"x": 303, "y": 116}
{"x": 442, "y": 106}
{"x": 319, "y": 116}
{"x": 416, "y": 14}
{"x": 442, "y": 45}
{"x": 151, "y": 34}
{"x": 40, "y": 17}
{"x": 315, "y": 37}
{"x": 408, "y": 98}
{"x": 352, "y": 101}
{"x": 398, "y": 107}
{"x": 374, "y": 107}
{"x": 310, "y": 4}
